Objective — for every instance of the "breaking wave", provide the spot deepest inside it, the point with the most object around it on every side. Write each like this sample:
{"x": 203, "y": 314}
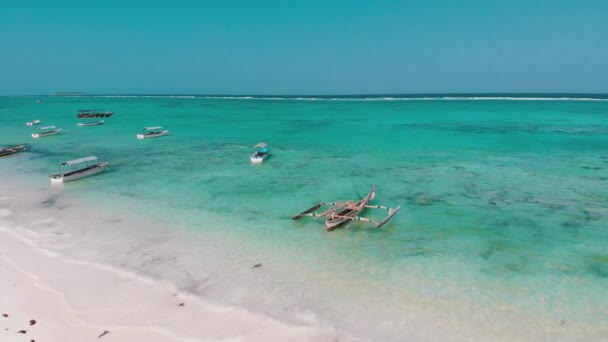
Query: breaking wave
{"x": 364, "y": 98}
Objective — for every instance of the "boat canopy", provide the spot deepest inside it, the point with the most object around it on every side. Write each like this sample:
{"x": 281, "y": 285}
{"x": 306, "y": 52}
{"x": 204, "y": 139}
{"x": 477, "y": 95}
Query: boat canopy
{"x": 47, "y": 127}
{"x": 80, "y": 160}
{"x": 151, "y": 128}
{"x": 261, "y": 145}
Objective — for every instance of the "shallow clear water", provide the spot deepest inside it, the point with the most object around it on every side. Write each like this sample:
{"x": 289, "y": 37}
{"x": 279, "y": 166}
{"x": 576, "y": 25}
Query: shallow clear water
{"x": 503, "y": 202}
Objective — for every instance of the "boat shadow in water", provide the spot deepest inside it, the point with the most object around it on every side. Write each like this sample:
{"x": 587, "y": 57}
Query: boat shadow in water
{"x": 50, "y": 201}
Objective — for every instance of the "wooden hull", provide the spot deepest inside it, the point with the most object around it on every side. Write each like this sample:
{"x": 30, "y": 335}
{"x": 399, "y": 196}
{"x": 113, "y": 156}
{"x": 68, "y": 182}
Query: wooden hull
{"x": 46, "y": 134}
{"x": 332, "y": 224}
{"x": 152, "y": 135}
{"x": 95, "y": 115}
{"x": 349, "y": 214}
{"x": 12, "y": 150}
{"x": 66, "y": 177}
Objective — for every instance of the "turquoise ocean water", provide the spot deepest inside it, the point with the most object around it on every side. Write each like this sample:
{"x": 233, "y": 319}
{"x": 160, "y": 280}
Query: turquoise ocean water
{"x": 504, "y": 201}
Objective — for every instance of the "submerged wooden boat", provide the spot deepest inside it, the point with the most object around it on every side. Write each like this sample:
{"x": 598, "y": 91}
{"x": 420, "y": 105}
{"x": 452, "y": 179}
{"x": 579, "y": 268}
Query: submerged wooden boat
{"x": 32, "y": 123}
{"x": 261, "y": 152}
{"x": 152, "y": 132}
{"x": 94, "y": 123}
{"x": 349, "y": 212}
{"x": 78, "y": 168}
{"x": 93, "y": 113}
{"x": 46, "y": 131}
{"x": 12, "y": 150}
{"x": 342, "y": 212}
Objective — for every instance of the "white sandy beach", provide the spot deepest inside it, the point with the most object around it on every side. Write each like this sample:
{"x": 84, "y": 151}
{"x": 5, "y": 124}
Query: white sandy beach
{"x": 78, "y": 301}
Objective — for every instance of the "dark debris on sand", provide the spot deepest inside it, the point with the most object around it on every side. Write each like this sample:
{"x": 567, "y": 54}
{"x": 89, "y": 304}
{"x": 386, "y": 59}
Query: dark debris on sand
{"x": 103, "y": 334}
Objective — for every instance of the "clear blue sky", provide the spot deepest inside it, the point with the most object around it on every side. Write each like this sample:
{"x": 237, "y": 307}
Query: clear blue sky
{"x": 303, "y": 47}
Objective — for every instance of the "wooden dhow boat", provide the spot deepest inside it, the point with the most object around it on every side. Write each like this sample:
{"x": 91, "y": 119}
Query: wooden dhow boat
{"x": 46, "y": 131}
{"x": 93, "y": 113}
{"x": 78, "y": 168}
{"x": 33, "y": 123}
{"x": 261, "y": 152}
{"x": 152, "y": 132}
{"x": 12, "y": 150}
{"x": 92, "y": 123}
{"x": 349, "y": 211}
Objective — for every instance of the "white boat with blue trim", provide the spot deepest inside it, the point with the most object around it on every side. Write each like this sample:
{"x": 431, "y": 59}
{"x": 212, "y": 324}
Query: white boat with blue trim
{"x": 91, "y": 123}
{"x": 260, "y": 154}
{"x": 152, "y": 132}
{"x": 79, "y": 168}
{"x": 46, "y": 131}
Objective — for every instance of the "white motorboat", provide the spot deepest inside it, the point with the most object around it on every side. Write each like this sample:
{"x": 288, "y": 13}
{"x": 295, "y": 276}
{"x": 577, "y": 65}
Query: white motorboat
{"x": 46, "y": 131}
{"x": 261, "y": 152}
{"x": 152, "y": 132}
{"x": 32, "y": 123}
{"x": 93, "y": 123}
{"x": 78, "y": 168}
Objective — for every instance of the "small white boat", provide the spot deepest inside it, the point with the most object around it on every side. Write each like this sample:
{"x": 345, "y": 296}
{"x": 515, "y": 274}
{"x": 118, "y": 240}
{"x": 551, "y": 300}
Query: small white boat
{"x": 46, "y": 131}
{"x": 261, "y": 152}
{"x": 79, "y": 168}
{"x": 93, "y": 123}
{"x": 152, "y": 132}
{"x": 32, "y": 123}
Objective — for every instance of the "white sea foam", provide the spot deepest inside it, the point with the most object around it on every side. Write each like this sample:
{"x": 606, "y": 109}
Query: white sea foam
{"x": 442, "y": 98}
{"x": 353, "y": 98}
{"x": 5, "y": 213}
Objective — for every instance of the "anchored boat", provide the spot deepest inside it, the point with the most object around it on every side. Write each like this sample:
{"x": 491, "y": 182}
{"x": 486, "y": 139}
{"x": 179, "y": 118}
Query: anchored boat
{"x": 92, "y": 123}
{"x": 78, "y": 168}
{"x": 261, "y": 152}
{"x": 152, "y": 132}
{"x": 12, "y": 150}
{"x": 32, "y": 123}
{"x": 93, "y": 113}
{"x": 46, "y": 131}
{"x": 342, "y": 212}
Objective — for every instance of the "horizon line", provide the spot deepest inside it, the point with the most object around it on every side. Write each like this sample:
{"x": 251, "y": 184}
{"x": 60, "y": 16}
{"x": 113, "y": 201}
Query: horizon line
{"x": 76, "y": 94}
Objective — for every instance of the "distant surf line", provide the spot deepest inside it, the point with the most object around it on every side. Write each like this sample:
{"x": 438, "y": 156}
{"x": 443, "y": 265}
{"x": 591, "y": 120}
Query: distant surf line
{"x": 524, "y": 97}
